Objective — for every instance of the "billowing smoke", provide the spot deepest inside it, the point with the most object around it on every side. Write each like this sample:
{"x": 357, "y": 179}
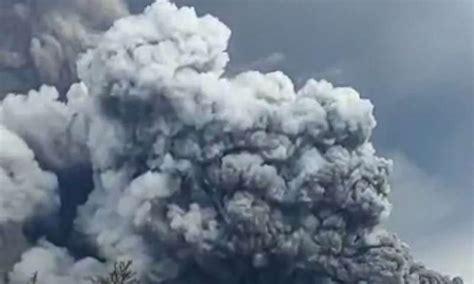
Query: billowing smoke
{"x": 25, "y": 190}
{"x": 196, "y": 177}
{"x": 42, "y": 38}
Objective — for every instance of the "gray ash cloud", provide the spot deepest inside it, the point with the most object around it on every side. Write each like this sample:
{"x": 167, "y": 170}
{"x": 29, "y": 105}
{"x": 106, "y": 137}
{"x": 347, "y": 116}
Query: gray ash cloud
{"x": 197, "y": 177}
{"x": 41, "y": 39}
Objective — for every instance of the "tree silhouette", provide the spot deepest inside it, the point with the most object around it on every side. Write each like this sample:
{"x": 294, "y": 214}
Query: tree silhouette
{"x": 121, "y": 274}
{"x": 34, "y": 278}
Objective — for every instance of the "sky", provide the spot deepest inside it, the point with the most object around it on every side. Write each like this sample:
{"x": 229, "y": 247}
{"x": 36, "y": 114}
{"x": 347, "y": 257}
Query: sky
{"x": 415, "y": 61}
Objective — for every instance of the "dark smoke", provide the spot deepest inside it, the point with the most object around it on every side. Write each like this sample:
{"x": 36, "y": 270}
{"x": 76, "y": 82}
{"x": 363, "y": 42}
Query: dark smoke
{"x": 156, "y": 156}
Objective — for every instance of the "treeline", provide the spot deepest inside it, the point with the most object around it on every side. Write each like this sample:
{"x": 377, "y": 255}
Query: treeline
{"x": 122, "y": 273}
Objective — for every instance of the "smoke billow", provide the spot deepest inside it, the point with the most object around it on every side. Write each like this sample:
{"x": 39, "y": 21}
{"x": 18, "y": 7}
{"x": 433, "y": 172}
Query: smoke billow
{"x": 197, "y": 177}
{"x": 42, "y": 38}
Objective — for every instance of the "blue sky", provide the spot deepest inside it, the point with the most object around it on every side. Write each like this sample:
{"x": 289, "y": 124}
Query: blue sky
{"x": 415, "y": 61}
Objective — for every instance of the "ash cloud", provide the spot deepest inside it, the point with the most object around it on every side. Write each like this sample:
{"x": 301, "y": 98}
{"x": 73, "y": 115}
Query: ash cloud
{"x": 198, "y": 176}
{"x": 44, "y": 37}
{"x": 25, "y": 190}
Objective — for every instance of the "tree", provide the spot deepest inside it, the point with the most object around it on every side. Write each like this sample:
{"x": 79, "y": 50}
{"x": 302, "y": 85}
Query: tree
{"x": 121, "y": 274}
{"x": 34, "y": 278}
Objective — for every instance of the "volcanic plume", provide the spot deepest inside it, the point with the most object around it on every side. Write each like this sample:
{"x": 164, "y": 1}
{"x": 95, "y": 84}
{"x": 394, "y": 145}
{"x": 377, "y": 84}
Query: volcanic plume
{"x": 41, "y": 39}
{"x": 156, "y": 156}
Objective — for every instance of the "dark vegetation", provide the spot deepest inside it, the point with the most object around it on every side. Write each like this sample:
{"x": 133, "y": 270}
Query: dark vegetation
{"x": 122, "y": 273}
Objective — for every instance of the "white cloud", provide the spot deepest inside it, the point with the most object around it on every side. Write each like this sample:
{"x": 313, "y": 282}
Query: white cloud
{"x": 267, "y": 63}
